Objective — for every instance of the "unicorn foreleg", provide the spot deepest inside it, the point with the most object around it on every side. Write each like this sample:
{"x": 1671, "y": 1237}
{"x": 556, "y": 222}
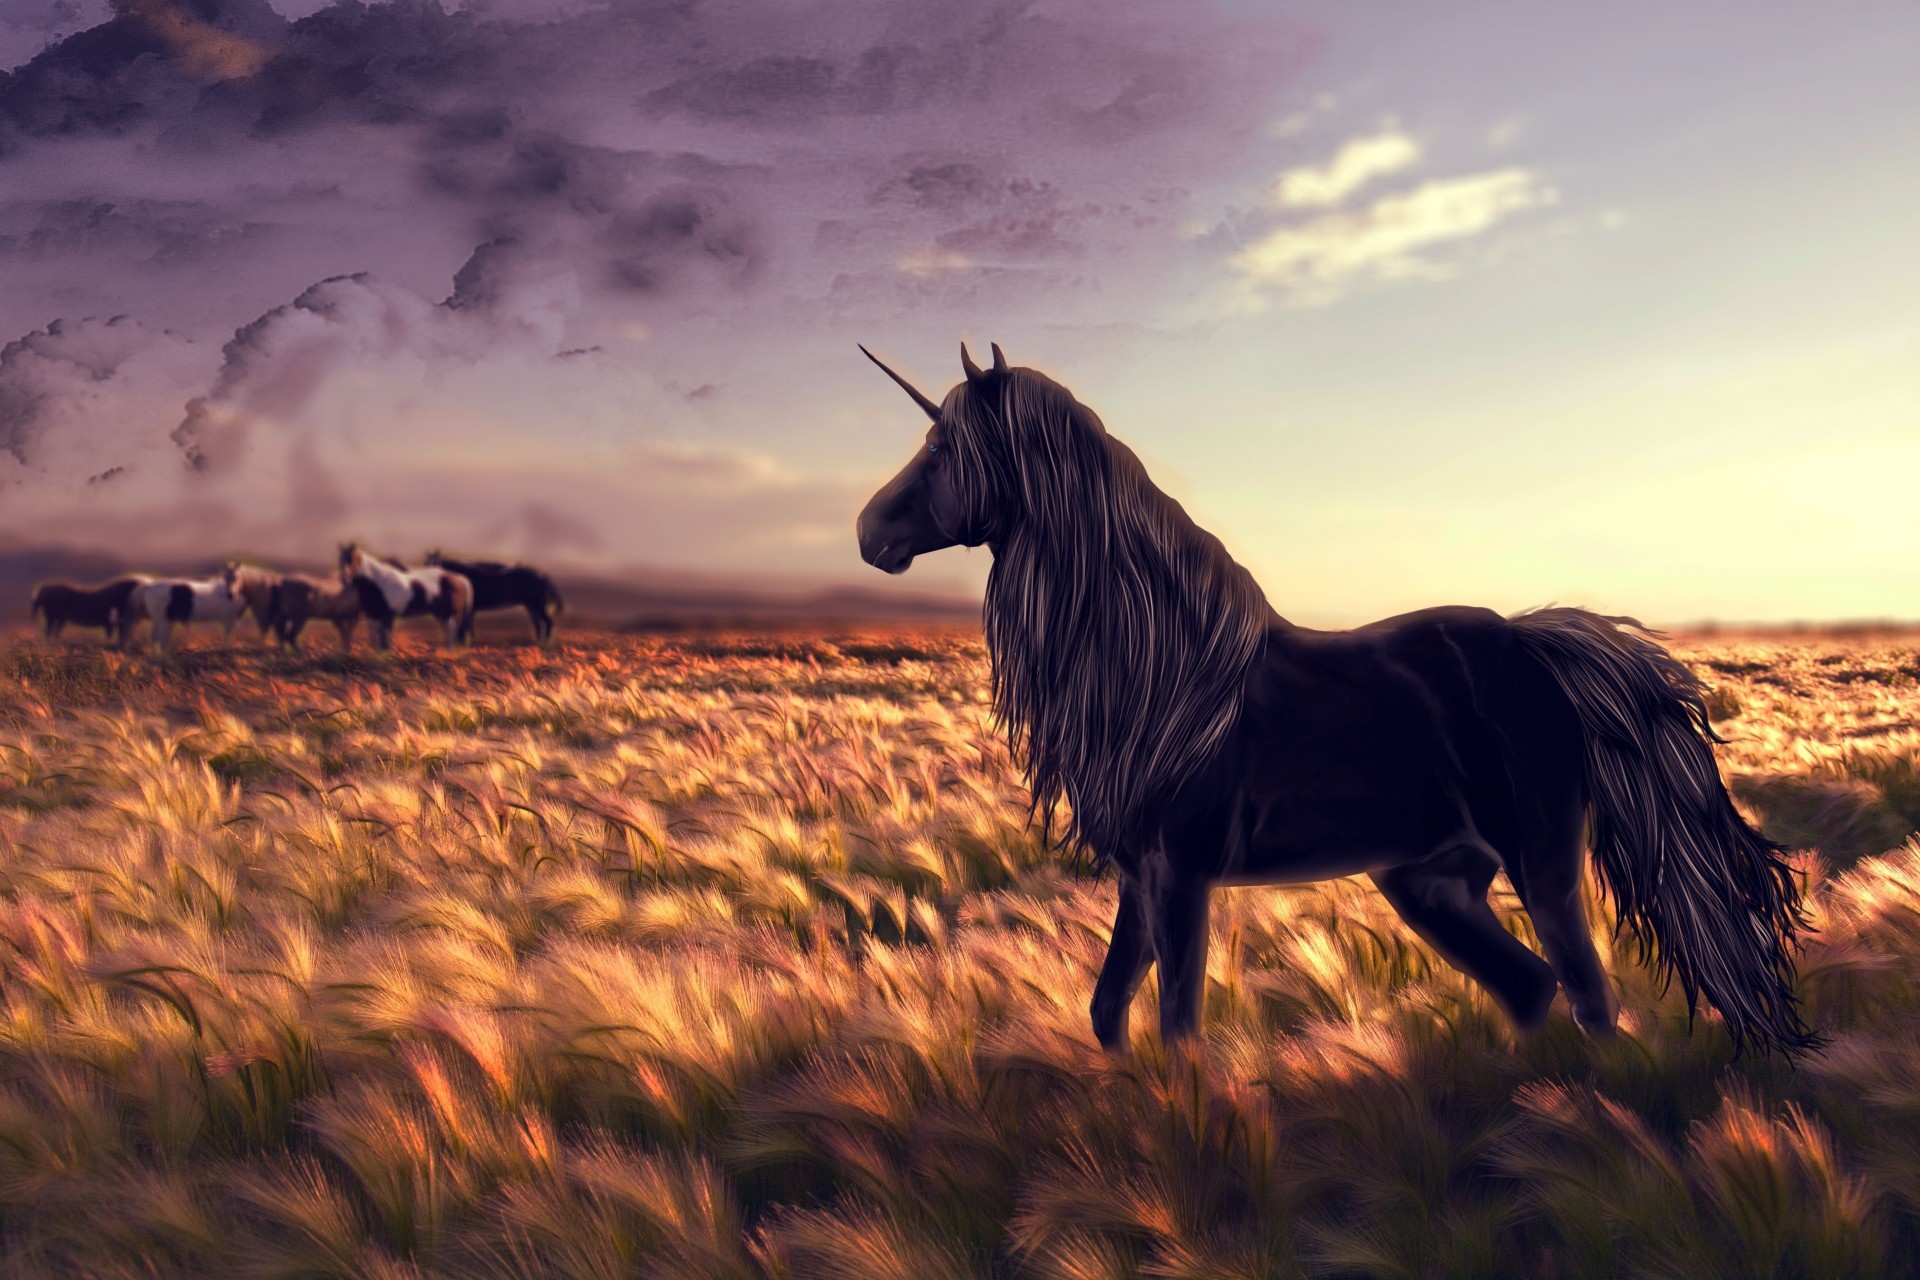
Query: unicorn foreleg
{"x": 1129, "y": 955}
{"x": 1177, "y": 903}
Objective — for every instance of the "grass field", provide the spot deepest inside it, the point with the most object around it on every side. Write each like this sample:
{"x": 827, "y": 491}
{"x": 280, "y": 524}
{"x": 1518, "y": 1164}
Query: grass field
{"x": 735, "y": 957}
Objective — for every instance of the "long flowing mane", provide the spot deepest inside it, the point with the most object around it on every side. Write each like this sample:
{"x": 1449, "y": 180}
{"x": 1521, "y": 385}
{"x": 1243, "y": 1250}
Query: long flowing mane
{"x": 1120, "y": 631}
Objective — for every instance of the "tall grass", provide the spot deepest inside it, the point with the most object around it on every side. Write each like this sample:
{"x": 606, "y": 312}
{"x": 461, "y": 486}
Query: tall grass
{"x": 734, "y": 956}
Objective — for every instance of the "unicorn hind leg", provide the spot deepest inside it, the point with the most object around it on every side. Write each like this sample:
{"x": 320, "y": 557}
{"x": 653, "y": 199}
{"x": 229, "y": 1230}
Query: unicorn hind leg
{"x": 1546, "y": 875}
{"x": 1444, "y": 899}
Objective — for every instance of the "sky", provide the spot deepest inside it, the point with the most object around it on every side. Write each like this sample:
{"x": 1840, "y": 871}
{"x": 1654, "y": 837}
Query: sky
{"x": 1501, "y": 304}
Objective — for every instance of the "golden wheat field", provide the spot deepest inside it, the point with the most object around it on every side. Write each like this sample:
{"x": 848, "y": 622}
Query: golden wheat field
{"x": 734, "y": 956}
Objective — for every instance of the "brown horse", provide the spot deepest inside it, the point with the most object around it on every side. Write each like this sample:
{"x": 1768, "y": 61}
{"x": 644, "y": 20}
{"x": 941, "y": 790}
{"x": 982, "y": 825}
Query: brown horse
{"x": 255, "y": 587}
{"x": 110, "y": 607}
{"x": 299, "y": 598}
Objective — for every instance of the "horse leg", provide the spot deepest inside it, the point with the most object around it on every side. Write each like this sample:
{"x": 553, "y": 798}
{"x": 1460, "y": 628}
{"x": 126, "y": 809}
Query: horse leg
{"x": 1177, "y": 911}
{"x": 1128, "y": 956}
{"x": 1444, "y": 899}
{"x": 1546, "y": 875}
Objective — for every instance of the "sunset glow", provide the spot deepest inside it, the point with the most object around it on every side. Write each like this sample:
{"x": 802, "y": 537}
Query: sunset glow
{"x": 1499, "y": 304}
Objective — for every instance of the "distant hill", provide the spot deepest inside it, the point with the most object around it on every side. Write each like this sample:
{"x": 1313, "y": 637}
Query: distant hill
{"x": 662, "y": 600}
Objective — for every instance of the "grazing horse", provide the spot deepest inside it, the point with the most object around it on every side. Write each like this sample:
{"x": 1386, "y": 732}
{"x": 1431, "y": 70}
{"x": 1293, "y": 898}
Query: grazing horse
{"x": 390, "y": 591}
{"x": 1201, "y": 739}
{"x": 59, "y": 603}
{"x": 257, "y": 589}
{"x": 171, "y": 601}
{"x": 299, "y": 598}
{"x": 504, "y": 586}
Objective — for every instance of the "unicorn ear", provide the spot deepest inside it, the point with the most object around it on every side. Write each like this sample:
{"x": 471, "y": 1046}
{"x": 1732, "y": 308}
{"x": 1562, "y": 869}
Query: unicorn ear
{"x": 999, "y": 359}
{"x": 966, "y": 362}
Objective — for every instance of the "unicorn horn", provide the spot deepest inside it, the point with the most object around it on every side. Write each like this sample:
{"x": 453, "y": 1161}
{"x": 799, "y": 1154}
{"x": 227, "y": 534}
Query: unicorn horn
{"x": 933, "y": 410}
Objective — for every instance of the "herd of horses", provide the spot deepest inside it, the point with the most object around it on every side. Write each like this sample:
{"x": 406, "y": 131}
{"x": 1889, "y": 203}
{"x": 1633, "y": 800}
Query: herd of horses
{"x": 380, "y": 589}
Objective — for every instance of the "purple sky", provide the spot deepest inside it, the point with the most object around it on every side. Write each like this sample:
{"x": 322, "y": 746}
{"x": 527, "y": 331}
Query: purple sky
{"x": 1488, "y": 302}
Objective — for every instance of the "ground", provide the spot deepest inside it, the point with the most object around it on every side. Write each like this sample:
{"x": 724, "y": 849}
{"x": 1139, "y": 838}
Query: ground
{"x": 715, "y": 956}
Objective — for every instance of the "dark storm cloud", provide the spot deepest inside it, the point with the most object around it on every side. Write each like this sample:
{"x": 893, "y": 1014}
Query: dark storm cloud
{"x": 623, "y": 140}
{"x": 510, "y": 205}
{"x": 147, "y": 63}
{"x": 164, "y": 232}
{"x": 646, "y": 246}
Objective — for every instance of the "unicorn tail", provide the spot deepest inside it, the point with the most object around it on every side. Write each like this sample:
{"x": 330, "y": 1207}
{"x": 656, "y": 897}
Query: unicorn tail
{"x": 1705, "y": 896}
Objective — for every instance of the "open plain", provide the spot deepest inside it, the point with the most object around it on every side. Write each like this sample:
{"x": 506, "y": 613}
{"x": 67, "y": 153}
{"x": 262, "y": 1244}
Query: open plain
{"x": 736, "y": 956}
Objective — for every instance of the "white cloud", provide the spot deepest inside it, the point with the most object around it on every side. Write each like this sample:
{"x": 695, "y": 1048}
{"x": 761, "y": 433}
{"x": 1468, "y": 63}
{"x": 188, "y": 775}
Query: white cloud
{"x": 1506, "y": 132}
{"x": 1316, "y": 262}
{"x": 923, "y": 264}
{"x": 1358, "y": 163}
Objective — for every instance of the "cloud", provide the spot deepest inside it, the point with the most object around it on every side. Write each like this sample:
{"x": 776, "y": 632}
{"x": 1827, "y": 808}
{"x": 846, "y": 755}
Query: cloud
{"x": 1357, "y": 163}
{"x": 164, "y": 232}
{"x": 80, "y": 398}
{"x": 440, "y": 260}
{"x": 206, "y": 50}
{"x": 1319, "y": 261}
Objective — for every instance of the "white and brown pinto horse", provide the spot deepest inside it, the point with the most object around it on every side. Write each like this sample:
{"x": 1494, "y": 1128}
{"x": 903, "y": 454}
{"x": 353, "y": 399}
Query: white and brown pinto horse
{"x": 173, "y": 601}
{"x": 390, "y": 591}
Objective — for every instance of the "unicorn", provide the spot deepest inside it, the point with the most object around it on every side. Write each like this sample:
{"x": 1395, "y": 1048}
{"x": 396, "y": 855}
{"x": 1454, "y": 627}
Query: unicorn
{"x": 390, "y": 591}
{"x": 1200, "y": 739}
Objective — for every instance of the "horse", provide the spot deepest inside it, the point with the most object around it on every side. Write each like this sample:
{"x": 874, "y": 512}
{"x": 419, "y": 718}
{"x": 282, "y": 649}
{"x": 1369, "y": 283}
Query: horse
{"x": 257, "y": 589}
{"x": 107, "y": 607}
{"x": 1200, "y": 739}
{"x": 503, "y": 586}
{"x": 390, "y": 591}
{"x": 168, "y": 601}
{"x": 300, "y": 597}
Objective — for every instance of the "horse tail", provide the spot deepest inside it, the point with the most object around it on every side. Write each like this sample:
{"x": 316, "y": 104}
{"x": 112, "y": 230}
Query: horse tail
{"x": 1706, "y": 897}
{"x": 554, "y": 602}
{"x": 39, "y": 605}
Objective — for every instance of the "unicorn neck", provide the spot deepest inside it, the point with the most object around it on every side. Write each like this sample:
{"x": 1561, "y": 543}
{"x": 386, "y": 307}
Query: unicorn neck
{"x": 1120, "y": 634}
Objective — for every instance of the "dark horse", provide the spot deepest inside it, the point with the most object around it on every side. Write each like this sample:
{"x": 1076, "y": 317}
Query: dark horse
{"x": 1201, "y": 739}
{"x": 109, "y": 607}
{"x": 504, "y": 586}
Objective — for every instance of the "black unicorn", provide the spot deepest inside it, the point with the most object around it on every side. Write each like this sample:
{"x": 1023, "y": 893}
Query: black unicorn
{"x": 1201, "y": 739}
{"x": 503, "y": 586}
